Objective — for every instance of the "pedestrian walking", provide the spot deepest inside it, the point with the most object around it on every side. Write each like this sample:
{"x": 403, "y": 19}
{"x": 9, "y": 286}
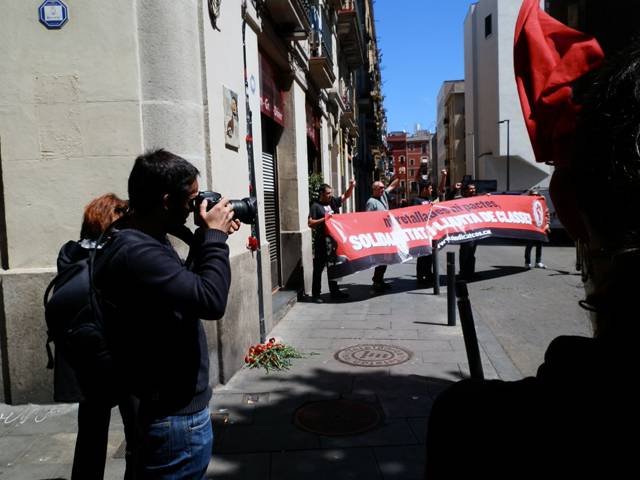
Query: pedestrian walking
{"x": 156, "y": 303}
{"x": 379, "y": 201}
{"x": 326, "y": 204}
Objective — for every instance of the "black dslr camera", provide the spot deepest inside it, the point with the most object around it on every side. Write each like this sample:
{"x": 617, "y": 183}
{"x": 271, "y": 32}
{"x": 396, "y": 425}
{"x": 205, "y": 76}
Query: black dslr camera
{"x": 244, "y": 210}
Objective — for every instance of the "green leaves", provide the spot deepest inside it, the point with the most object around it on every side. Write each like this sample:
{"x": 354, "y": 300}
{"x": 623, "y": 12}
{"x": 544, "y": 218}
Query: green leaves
{"x": 272, "y": 355}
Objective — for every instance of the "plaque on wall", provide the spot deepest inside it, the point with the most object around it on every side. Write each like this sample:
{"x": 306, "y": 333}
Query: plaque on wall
{"x": 230, "y": 104}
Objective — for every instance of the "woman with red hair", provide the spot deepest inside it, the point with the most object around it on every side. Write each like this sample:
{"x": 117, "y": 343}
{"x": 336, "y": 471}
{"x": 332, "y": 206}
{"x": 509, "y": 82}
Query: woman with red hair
{"x": 94, "y": 414}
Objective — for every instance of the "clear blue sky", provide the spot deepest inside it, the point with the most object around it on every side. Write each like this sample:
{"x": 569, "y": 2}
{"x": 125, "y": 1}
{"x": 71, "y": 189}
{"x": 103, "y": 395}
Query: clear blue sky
{"x": 422, "y": 45}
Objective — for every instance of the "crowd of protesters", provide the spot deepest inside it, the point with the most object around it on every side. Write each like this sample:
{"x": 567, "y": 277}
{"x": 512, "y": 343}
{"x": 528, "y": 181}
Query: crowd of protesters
{"x": 381, "y": 200}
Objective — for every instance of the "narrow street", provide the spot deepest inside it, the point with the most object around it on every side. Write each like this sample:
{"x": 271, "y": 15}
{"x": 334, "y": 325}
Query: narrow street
{"x": 517, "y": 313}
{"x": 526, "y": 309}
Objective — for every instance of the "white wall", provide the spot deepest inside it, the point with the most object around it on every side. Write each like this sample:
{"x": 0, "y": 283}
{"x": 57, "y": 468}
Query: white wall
{"x": 491, "y": 96}
{"x": 69, "y": 120}
{"x": 224, "y": 68}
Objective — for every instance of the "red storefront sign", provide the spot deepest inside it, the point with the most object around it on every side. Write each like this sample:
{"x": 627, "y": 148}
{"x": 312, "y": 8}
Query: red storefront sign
{"x": 271, "y": 97}
{"x": 313, "y": 126}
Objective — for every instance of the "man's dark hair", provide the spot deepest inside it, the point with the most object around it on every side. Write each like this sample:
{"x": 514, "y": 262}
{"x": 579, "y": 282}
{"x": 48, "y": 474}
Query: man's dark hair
{"x": 608, "y": 156}
{"x": 608, "y": 153}
{"x": 323, "y": 188}
{"x": 157, "y": 173}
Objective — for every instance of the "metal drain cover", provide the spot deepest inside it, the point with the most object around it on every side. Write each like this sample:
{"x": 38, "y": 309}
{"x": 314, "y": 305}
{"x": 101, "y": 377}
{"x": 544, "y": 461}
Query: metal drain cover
{"x": 373, "y": 355}
{"x": 337, "y": 417}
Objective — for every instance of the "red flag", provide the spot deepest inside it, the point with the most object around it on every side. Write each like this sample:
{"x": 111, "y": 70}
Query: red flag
{"x": 548, "y": 58}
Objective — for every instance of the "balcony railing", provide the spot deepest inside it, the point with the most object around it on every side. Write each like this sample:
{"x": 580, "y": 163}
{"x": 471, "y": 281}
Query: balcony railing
{"x": 348, "y": 5}
{"x": 321, "y": 41}
{"x": 291, "y": 16}
{"x": 321, "y": 50}
{"x": 346, "y": 92}
{"x": 350, "y": 33}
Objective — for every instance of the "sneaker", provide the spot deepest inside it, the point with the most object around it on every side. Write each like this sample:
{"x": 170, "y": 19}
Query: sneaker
{"x": 339, "y": 295}
{"x": 540, "y": 265}
{"x": 316, "y": 300}
{"x": 528, "y": 266}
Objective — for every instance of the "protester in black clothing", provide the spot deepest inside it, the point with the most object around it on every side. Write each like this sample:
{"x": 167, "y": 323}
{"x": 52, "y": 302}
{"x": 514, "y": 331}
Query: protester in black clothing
{"x": 424, "y": 264}
{"x": 535, "y": 244}
{"x": 154, "y": 304}
{"x": 468, "y": 249}
{"x": 575, "y": 418}
{"x": 326, "y": 204}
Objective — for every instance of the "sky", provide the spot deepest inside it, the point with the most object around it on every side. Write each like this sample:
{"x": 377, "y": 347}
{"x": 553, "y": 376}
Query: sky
{"x": 422, "y": 46}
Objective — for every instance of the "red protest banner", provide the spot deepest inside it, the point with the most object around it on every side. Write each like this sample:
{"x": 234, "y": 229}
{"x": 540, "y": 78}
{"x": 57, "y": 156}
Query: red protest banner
{"x": 367, "y": 239}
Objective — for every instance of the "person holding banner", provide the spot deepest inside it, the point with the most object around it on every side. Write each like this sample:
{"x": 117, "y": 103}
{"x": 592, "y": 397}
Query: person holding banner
{"x": 424, "y": 264}
{"x": 379, "y": 201}
{"x": 536, "y": 244}
{"x": 468, "y": 249}
{"x": 326, "y": 204}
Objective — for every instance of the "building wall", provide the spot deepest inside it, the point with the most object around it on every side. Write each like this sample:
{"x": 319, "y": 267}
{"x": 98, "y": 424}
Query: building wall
{"x": 70, "y": 127}
{"x": 451, "y": 125}
{"x": 420, "y": 156}
{"x": 455, "y": 133}
{"x": 440, "y": 128}
{"x": 69, "y": 122}
{"x": 472, "y": 149}
{"x": 492, "y": 97}
{"x": 397, "y": 148}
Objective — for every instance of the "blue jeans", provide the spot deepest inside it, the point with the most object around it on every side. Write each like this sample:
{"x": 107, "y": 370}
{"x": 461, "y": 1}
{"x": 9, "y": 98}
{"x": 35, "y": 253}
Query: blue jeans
{"x": 177, "y": 447}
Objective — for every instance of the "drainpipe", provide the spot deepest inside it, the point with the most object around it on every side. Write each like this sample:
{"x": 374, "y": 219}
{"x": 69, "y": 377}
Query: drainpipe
{"x": 253, "y": 189}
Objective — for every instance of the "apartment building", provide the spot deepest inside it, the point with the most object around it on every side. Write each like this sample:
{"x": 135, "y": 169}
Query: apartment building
{"x": 498, "y": 141}
{"x": 451, "y": 133}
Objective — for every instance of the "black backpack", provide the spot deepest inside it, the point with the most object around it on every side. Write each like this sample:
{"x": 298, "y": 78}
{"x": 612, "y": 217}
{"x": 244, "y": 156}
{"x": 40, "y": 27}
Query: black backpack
{"x": 76, "y": 325}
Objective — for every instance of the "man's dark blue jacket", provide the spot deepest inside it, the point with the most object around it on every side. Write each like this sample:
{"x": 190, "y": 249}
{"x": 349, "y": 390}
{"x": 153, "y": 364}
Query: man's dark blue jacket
{"x": 157, "y": 304}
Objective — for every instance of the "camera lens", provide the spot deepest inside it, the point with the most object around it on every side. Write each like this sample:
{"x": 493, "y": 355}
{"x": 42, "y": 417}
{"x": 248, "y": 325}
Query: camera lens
{"x": 245, "y": 210}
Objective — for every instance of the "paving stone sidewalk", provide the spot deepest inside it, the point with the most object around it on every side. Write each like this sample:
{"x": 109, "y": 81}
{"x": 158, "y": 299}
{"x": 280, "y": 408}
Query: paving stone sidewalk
{"x": 260, "y": 438}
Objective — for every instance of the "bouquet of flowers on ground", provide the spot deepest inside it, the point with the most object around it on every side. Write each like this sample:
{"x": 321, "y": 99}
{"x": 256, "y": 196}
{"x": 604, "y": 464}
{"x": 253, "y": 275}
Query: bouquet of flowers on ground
{"x": 271, "y": 355}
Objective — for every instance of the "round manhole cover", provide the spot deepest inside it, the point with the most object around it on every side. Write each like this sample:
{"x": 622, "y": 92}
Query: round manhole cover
{"x": 337, "y": 417}
{"x": 373, "y": 355}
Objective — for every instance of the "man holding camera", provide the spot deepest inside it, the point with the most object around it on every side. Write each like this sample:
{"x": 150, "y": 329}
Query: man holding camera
{"x": 154, "y": 304}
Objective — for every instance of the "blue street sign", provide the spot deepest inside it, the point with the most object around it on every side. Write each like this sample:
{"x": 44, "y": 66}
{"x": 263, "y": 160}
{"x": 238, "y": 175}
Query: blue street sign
{"x": 53, "y": 14}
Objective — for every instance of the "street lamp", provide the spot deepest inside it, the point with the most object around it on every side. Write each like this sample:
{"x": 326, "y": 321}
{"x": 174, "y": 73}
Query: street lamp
{"x": 508, "y": 158}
